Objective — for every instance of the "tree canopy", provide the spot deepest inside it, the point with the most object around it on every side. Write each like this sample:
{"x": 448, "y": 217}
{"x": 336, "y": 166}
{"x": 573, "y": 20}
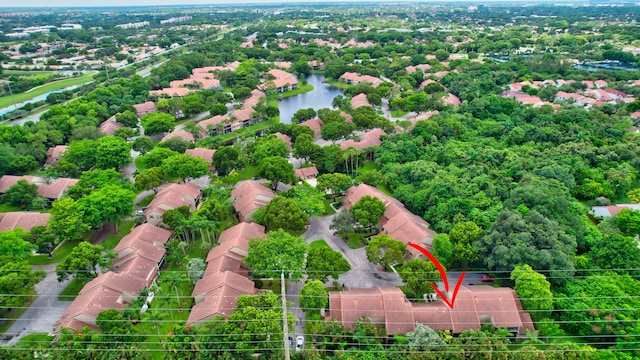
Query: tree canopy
{"x": 278, "y": 251}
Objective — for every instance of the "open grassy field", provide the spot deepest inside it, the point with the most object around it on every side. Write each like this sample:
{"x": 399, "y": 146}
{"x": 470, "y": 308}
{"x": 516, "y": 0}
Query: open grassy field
{"x": 301, "y": 90}
{"x": 28, "y": 74}
{"x": 43, "y": 89}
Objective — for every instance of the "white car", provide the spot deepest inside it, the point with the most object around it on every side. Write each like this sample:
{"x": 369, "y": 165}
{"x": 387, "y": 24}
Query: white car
{"x": 299, "y": 343}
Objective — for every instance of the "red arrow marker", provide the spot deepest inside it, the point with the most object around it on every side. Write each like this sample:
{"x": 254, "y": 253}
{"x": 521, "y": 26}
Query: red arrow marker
{"x": 443, "y": 274}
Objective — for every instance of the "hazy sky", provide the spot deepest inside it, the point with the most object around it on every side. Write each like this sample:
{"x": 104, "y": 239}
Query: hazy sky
{"x": 75, "y": 3}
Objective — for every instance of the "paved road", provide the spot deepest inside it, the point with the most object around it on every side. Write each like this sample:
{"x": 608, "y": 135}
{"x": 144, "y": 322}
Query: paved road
{"x": 363, "y": 274}
{"x": 293, "y": 291}
{"x": 45, "y": 310}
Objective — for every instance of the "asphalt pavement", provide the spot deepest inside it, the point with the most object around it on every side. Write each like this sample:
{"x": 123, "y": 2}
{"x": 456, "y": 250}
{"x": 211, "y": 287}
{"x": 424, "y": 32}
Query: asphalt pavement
{"x": 45, "y": 310}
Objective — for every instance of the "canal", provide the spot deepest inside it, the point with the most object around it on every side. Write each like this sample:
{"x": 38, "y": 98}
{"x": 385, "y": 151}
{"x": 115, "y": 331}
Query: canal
{"x": 321, "y": 97}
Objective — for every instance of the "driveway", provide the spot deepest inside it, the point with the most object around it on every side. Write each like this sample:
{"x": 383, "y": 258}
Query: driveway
{"x": 363, "y": 274}
{"x": 45, "y": 310}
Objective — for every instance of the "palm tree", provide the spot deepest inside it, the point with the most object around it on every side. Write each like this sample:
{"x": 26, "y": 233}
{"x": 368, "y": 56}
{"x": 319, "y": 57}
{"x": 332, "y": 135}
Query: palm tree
{"x": 153, "y": 316}
{"x": 634, "y": 196}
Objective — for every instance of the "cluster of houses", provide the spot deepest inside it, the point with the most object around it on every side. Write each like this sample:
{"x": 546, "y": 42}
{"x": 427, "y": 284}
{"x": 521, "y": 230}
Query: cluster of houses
{"x": 226, "y": 276}
{"x": 200, "y": 79}
{"x": 109, "y": 126}
{"x": 351, "y": 78}
{"x": 140, "y": 256}
{"x": 240, "y": 118}
{"x": 596, "y": 93}
{"x": 50, "y": 189}
{"x": 282, "y": 81}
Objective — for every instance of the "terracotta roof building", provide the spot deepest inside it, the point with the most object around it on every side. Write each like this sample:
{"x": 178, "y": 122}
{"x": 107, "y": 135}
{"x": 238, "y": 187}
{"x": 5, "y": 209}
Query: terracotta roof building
{"x": 171, "y": 197}
{"x": 397, "y": 221}
{"x": 285, "y": 138}
{"x": 145, "y": 108}
{"x": 185, "y": 135}
{"x": 359, "y": 100}
{"x": 54, "y": 154}
{"x": 352, "y": 78}
{"x": 24, "y": 220}
{"x": 52, "y": 190}
{"x": 389, "y": 307}
{"x": 109, "y": 126}
{"x": 203, "y": 153}
{"x": 315, "y": 125}
{"x": 307, "y": 173}
{"x": 368, "y": 139}
{"x": 249, "y": 197}
{"x": 224, "y": 281}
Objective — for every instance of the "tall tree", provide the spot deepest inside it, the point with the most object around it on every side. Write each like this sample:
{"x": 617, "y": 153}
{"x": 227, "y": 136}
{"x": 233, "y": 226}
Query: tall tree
{"x": 385, "y": 251}
{"x": 13, "y": 243}
{"x": 157, "y": 123}
{"x": 463, "y": 236}
{"x": 142, "y": 145}
{"x": 112, "y": 152}
{"x": 334, "y": 184}
{"x": 17, "y": 280}
{"x": 276, "y": 169}
{"x": 534, "y": 240}
{"x": 184, "y": 166}
{"x": 323, "y": 262}
{"x": 277, "y": 251}
{"x": 127, "y": 118}
{"x": 367, "y": 211}
{"x": 81, "y": 262}
{"x": 282, "y": 213}
{"x": 225, "y": 159}
{"x": 419, "y": 275}
{"x": 305, "y": 147}
{"x": 67, "y": 221}
{"x": 156, "y": 156}
{"x": 534, "y": 291}
{"x": 20, "y": 194}
{"x": 110, "y": 203}
{"x": 313, "y": 297}
{"x": 150, "y": 179}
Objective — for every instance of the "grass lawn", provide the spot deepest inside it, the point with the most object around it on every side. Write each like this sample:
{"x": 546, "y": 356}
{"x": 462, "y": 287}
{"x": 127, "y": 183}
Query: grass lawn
{"x": 328, "y": 210}
{"x": 318, "y": 244}
{"x": 60, "y": 253}
{"x": 301, "y": 90}
{"x": 8, "y": 208}
{"x": 338, "y": 84}
{"x": 146, "y": 201}
{"x": 247, "y": 173}
{"x": 368, "y": 166}
{"x": 35, "y": 340}
{"x": 251, "y": 129}
{"x": 73, "y": 288}
{"x": 139, "y": 164}
{"x": 355, "y": 241}
{"x": 43, "y": 89}
{"x": 398, "y": 113}
{"x": 123, "y": 230}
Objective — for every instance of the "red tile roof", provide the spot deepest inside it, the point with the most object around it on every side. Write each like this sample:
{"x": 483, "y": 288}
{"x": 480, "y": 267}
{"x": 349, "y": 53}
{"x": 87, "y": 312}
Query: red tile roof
{"x": 305, "y": 173}
{"x": 389, "y": 307}
{"x": 359, "y": 100}
{"x": 203, "y": 153}
{"x": 250, "y": 196}
{"x": 144, "y": 108}
{"x": 181, "y": 134}
{"x": 397, "y": 222}
{"x": 368, "y": 139}
{"x": 25, "y": 220}
{"x": 54, "y": 154}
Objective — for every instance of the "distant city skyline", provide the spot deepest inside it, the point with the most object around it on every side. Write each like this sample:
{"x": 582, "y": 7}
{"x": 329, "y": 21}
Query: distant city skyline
{"x": 114, "y": 3}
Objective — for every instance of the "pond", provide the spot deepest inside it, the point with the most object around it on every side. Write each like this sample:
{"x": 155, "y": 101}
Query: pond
{"x": 321, "y": 97}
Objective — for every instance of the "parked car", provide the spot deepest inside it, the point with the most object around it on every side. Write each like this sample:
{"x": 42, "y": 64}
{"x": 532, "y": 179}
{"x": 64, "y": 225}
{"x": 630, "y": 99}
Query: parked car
{"x": 139, "y": 212}
{"x": 486, "y": 278}
{"x": 299, "y": 343}
{"x": 290, "y": 342}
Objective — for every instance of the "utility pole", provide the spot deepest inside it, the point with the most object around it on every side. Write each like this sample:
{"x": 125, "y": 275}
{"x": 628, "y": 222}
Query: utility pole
{"x": 285, "y": 325}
